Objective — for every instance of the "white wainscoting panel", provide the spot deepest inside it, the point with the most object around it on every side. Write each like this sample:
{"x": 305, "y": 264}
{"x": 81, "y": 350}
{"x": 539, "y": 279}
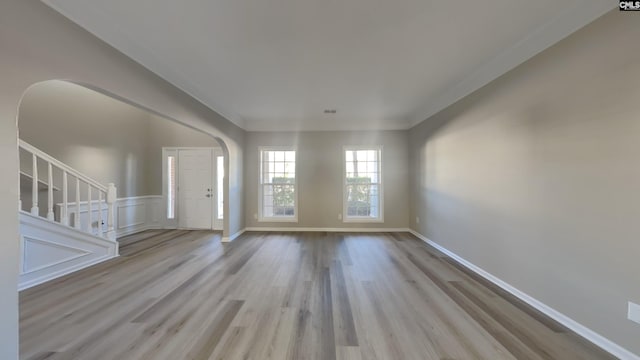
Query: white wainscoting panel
{"x": 132, "y": 214}
{"x": 137, "y": 214}
{"x": 49, "y": 250}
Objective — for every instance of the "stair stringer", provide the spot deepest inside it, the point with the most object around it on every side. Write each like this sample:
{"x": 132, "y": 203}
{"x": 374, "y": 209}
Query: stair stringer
{"x": 49, "y": 250}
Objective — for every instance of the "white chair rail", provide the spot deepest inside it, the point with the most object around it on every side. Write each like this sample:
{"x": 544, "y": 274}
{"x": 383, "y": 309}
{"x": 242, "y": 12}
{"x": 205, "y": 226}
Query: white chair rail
{"x": 95, "y": 192}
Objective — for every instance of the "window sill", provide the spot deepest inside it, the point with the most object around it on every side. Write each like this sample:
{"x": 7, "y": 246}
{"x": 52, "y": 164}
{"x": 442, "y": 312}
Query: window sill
{"x": 362, "y": 220}
{"x": 278, "y": 220}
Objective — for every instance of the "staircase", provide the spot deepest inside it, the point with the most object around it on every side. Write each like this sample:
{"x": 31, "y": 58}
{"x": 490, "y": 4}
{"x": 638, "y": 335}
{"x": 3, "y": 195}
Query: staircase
{"x": 63, "y": 236}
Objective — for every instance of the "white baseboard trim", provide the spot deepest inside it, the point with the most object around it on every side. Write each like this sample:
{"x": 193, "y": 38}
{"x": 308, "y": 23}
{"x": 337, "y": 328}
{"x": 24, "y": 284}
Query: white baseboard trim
{"x": 309, "y": 229}
{"x": 227, "y": 239}
{"x": 575, "y": 326}
{"x": 322, "y": 229}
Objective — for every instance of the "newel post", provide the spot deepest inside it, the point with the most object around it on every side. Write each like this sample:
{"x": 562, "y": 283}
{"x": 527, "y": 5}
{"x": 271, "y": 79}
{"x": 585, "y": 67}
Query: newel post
{"x": 112, "y": 193}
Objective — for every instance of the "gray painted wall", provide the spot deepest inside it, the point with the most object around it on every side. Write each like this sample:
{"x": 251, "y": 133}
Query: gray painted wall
{"x": 319, "y": 171}
{"x": 106, "y": 139}
{"x": 533, "y": 178}
{"x": 99, "y": 136}
{"x": 536, "y": 179}
{"x": 163, "y": 133}
{"x": 38, "y": 44}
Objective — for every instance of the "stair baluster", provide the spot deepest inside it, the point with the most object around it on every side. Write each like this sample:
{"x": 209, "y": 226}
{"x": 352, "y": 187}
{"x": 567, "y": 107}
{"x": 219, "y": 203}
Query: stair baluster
{"x": 34, "y": 188}
{"x": 100, "y": 229}
{"x": 76, "y": 220}
{"x": 50, "y": 216}
{"x": 89, "y": 217}
{"x": 107, "y": 194}
{"x": 64, "y": 216}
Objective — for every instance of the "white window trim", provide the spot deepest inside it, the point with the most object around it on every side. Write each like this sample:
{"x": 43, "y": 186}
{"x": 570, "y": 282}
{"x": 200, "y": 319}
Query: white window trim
{"x": 356, "y": 219}
{"x": 280, "y": 219}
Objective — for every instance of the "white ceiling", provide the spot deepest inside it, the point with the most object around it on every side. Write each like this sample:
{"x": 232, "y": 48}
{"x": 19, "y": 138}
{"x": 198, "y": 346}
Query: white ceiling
{"x": 278, "y": 64}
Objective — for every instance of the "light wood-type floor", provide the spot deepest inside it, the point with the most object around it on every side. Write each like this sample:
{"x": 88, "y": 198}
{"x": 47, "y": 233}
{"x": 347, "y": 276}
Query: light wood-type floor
{"x": 183, "y": 295}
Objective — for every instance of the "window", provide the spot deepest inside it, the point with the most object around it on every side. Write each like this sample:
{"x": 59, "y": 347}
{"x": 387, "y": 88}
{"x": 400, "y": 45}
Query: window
{"x": 171, "y": 187}
{"x": 363, "y": 199}
{"x": 278, "y": 196}
{"x": 220, "y": 183}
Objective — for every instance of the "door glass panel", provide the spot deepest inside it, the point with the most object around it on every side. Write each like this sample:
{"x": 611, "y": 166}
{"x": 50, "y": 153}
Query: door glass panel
{"x": 171, "y": 187}
{"x": 220, "y": 183}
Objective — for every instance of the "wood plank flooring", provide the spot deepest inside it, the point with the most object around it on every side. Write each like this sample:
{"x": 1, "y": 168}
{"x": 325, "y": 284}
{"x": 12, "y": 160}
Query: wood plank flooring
{"x": 184, "y": 295}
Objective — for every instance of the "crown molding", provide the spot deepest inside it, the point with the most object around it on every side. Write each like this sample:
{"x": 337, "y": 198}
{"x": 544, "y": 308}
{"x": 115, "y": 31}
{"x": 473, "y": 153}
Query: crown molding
{"x": 561, "y": 26}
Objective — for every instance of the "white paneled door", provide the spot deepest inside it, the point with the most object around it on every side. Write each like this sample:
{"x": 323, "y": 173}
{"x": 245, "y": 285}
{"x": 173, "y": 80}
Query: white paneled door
{"x": 196, "y": 191}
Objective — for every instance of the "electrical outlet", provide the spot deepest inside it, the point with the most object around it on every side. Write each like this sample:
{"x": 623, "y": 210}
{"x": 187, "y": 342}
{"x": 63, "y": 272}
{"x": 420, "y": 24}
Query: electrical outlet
{"x": 634, "y": 312}
{"x": 417, "y": 220}
{"x": 255, "y": 216}
{"x": 339, "y": 216}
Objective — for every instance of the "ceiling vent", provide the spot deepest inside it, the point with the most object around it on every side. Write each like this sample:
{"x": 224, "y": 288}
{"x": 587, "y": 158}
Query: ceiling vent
{"x": 330, "y": 111}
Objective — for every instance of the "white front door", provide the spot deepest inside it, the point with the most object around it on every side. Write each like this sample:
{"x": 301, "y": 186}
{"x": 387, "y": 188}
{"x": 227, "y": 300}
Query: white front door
{"x": 195, "y": 189}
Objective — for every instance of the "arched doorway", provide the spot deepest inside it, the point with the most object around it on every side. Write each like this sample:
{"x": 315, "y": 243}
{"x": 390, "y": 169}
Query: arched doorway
{"x": 112, "y": 140}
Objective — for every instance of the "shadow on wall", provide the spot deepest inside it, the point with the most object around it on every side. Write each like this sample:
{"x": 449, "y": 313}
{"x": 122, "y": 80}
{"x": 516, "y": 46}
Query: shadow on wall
{"x": 105, "y": 137}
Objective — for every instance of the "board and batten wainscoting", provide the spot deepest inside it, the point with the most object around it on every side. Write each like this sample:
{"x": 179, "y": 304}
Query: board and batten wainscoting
{"x": 132, "y": 214}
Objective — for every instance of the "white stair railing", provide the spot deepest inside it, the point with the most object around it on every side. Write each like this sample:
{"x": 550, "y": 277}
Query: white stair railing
{"x": 108, "y": 193}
